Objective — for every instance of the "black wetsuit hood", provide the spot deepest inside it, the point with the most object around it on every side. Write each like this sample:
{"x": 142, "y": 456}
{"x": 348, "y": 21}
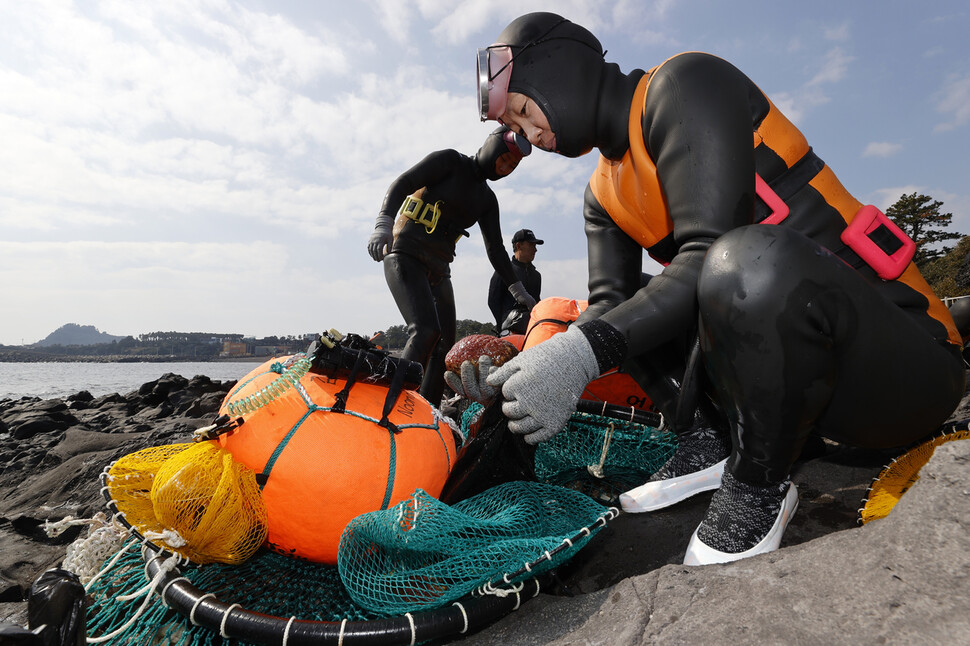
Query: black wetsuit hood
{"x": 494, "y": 147}
{"x": 559, "y": 65}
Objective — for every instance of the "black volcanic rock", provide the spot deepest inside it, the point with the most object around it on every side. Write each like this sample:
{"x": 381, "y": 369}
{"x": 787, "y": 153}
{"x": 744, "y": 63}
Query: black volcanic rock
{"x": 53, "y": 451}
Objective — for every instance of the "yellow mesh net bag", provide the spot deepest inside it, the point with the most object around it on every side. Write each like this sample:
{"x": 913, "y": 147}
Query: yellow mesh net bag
{"x": 898, "y": 476}
{"x": 130, "y": 484}
{"x": 192, "y": 497}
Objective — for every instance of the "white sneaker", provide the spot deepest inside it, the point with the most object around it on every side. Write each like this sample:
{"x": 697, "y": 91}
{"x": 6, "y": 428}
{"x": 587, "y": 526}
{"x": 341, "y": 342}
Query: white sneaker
{"x": 651, "y": 496}
{"x": 699, "y": 553}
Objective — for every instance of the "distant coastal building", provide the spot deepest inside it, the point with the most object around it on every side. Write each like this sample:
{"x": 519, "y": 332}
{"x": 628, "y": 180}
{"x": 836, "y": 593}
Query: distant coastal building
{"x": 271, "y": 350}
{"x": 234, "y": 349}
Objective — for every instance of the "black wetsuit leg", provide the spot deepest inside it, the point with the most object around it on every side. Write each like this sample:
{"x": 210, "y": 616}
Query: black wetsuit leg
{"x": 433, "y": 384}
{"x": 678, "y": 392}
{"x": 408, "y": 281}
{"x": 796, "y": 341}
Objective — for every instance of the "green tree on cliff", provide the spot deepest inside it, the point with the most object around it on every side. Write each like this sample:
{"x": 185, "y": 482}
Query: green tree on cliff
{"x": 949, "y": 275}
{"x": 920, "y": 218}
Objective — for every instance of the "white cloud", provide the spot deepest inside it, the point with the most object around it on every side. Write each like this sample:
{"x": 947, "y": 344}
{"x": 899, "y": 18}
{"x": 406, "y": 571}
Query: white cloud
{"x": 112, "y": 126}
{"x": 105, "y": 284}
{"x": 395, "y": 18}
{"x": 214, "y": 158}
{"x": 881, "y": 149}
{"x": 830, "y": 70}
{"x": 886, "y": 197}
{"x": 82, "y": 262}
{"x": 467, "y": 19}
{"x": 839, "y": 32}
{"x": 796, "y": 105}
{"x": 953, "y": 101}
{"x": 834, "y": 67}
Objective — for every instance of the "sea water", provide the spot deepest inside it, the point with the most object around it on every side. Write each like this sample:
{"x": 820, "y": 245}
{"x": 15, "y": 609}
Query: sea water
{"x": 58, "y": 380}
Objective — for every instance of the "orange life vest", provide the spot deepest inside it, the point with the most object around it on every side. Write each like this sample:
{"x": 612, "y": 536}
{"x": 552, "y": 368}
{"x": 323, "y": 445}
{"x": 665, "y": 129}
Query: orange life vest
{"x": 631, "y": 193}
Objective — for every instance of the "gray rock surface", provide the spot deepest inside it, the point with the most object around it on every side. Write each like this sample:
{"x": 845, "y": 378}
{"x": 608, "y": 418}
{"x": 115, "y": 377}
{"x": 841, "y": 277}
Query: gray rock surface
{"x": 902, "y": 579}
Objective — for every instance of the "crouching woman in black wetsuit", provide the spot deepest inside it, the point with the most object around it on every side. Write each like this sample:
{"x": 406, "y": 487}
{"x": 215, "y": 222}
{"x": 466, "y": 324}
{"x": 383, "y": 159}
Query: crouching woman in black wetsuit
{"x": 435, "y": 202}
{"x": 785, "y": 305}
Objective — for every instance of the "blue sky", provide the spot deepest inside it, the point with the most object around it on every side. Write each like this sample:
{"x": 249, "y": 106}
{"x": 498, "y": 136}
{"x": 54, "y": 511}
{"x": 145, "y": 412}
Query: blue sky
{"x": 216, "y": 166}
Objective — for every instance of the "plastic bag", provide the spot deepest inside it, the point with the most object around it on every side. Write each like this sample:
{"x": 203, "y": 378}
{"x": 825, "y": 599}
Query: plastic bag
{"x": 57, "y": 602}
{"x": 14, "y": 635}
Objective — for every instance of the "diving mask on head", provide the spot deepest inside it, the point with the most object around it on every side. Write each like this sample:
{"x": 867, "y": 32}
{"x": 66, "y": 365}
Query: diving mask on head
{"x": 494, "y": 72}
{"x": 499, "y": 142}
{"x": 517, "y": 143}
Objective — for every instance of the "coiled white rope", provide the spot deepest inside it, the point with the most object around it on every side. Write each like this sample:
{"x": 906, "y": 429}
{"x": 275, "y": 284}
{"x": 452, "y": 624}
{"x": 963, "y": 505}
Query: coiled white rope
{"x": 286, "y": 631}
{"x": 110, "y": 564}
{"x": 413, "y": 632}
{"x": 488, "y": 588}
{"x": 169, "y": 536}
{"x": 596, "y": 470}
{"x": 84, "y": 556}
{"x": 340, "y": 637}
{"x": 166, "y": 566}
{"x": 225, "y": 617}
{"x": 196, "y": 605}
{"x": 464, "y": 616}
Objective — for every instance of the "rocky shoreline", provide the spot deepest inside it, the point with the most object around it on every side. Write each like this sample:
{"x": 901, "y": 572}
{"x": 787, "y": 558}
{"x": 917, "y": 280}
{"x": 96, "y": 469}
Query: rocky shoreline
{"x": 27, "y": 356}
{"x": 900, "y": 579}
{"x": 52, "y": 452}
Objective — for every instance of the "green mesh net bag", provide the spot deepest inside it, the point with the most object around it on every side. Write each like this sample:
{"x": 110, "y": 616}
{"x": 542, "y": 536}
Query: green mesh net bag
{"x": 422, "y": 570}
{"x": 269, "y": 584}
{"x": 425, "y": 569}
{"x": 424, "y": 553}
{"x": 605, "y": 455}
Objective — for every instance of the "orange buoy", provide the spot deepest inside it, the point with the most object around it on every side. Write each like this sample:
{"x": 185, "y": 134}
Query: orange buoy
{"x": 550, "y": 316}
{"x": 319, "y": 468}
{"x": 518, "y": 340}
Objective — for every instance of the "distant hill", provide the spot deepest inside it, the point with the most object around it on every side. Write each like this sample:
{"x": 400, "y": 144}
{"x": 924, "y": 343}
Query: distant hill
{"x": 74, "y": 334}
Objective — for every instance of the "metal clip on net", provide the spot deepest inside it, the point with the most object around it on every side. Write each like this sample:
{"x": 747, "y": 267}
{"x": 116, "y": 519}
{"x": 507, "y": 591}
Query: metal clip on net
{"x": 223, "y": 424}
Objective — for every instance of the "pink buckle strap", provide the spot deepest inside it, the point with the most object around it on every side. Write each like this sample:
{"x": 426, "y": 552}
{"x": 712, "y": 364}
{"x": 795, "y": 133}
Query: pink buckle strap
{"x": 858, "y": 236}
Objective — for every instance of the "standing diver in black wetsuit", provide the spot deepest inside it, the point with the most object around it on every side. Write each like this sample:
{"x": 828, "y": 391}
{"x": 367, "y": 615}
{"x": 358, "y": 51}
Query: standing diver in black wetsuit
{"x": 510, "y": 317}
{"x": 818, "y": 324}
{"x": 437, "y": 200}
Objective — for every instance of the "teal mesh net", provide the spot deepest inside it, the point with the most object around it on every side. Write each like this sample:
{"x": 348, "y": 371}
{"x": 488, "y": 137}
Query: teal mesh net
{"x": 603, "y": 456}
{"x": 423, "y": 553}
{"x": 268, "y": 583}
{"x": 418, "y": 556}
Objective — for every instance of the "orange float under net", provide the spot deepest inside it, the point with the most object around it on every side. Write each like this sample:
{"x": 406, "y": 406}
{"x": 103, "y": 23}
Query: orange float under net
{"x": 323, "y": 457}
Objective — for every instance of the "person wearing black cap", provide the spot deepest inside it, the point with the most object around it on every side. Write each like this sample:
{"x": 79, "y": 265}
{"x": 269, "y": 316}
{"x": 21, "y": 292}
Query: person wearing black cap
{"x": 435, "y": 201}
{"x": 786, "y": 307}
{"x": 510, "y": 317}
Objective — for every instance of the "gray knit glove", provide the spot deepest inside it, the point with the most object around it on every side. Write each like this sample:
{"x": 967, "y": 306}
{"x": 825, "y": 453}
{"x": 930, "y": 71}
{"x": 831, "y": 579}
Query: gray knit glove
{"x": 521, "y": 296}
{"x": 542, "y": 384}
{"x": 471, "y": 383}
{"x": 379, "y": 244}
